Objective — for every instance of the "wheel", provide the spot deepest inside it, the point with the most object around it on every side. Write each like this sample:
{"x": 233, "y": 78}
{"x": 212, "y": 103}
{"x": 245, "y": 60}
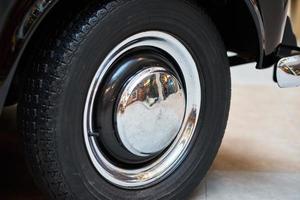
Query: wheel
{"x": 130, "y": 101}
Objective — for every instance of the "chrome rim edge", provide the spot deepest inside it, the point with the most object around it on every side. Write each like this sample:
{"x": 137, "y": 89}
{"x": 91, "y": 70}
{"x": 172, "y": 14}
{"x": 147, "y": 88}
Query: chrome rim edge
{"x": 174, "y": 155}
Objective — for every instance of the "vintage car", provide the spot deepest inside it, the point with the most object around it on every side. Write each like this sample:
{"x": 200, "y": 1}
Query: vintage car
{"x": 129, "y": 99}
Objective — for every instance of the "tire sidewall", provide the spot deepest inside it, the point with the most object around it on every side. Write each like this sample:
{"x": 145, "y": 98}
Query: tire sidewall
{"x": 194, "y": 29}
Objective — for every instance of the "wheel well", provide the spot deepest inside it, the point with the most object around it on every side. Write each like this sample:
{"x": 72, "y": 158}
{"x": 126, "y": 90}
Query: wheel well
{"x": 236, "y": 26}
{"x": 232, "y": 18}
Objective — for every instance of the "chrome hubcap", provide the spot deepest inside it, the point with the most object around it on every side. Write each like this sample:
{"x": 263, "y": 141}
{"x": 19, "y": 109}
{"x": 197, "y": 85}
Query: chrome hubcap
{"x": 141, "y": 110}
{"x": 150, "y": 111}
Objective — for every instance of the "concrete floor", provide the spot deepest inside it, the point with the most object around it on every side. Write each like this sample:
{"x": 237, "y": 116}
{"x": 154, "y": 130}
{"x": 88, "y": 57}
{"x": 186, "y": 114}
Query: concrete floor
{"x": 260, "y": 154}
{"x": 259, "y": 158}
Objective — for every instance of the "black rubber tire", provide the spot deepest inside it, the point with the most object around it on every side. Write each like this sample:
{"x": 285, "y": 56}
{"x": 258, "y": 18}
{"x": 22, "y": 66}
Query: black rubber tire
{"x": 51, "y": 107}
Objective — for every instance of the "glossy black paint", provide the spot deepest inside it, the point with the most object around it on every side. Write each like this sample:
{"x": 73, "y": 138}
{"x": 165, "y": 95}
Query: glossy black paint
{"x": 18, "y": 23}
{"x": 274, "y": 16}
{"x": 19, "y": 19}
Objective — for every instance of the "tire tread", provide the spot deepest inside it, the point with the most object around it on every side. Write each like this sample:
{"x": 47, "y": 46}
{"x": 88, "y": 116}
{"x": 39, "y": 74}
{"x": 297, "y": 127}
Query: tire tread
{"x": 39, "y": 103}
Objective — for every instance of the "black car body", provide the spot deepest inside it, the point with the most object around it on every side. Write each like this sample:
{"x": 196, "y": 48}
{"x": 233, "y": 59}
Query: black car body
{"x": 252, "y": 28}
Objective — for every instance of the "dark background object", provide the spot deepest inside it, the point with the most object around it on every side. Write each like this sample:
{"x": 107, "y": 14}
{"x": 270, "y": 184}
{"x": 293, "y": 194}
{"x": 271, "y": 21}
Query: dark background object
{"x": 16, "y": 182}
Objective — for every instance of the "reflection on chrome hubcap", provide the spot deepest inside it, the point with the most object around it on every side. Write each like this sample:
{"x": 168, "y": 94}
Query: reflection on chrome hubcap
{"x": 154, "y": 116}
{"x": 150, "y": 111}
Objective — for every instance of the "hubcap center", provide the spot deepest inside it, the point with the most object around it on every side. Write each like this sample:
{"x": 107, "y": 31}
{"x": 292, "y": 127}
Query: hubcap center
{"x": 150, "y": 111}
